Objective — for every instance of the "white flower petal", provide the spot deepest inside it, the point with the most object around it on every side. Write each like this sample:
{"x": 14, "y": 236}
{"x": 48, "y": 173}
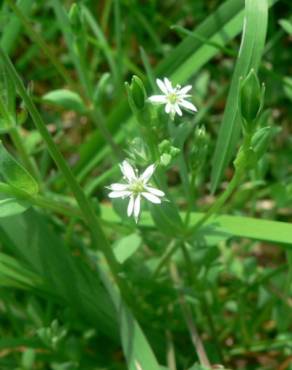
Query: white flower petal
{"x": 137, "y": 207}
{"x": 178, "y": 110}
{"x": 155, "y": 191}
{"x": 168, "y": 85}
{"x": 161, "y": 86}
{"x": 128, "y": 171}
{"x": 119, "y": 194}
{"x": 186, "y": 104}
{"x": 147, "y": 173}
{"x": 158, "y": 99}
{"x": 118, "y": 187}
{"x": 151, "y": 197}
{"x": 168, "y": 108}
{"x": 130, "y": 206}
{"x": 185, "y": 89}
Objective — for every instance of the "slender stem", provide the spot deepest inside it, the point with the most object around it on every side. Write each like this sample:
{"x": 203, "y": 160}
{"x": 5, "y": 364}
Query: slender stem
{"x": 170, "y": 353}
{"x": 99, "y": 239}
{"x": 219, "y": 202}
{"x": 192, "y": 279}
{"x": 171, "y": 246}
{"x": 215, "y": 208}
{"x": 191, "y": 201}
{"x": 41, "y": 201}
{"x": 195, "y": 338}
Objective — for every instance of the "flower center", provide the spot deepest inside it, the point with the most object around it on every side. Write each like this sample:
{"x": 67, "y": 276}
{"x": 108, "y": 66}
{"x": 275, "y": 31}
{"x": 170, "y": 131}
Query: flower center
{"x": 172, "y": 98}
{"x": 137, "y": 187}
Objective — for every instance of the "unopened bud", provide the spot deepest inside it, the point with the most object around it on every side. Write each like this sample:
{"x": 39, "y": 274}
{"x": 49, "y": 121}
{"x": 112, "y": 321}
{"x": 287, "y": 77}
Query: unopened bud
{"x": 136, "y": 94}
{"x": 251, "y": 97}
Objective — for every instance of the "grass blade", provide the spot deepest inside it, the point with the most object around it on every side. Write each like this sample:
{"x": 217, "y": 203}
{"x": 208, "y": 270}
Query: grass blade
{"x": 252, "y": 46}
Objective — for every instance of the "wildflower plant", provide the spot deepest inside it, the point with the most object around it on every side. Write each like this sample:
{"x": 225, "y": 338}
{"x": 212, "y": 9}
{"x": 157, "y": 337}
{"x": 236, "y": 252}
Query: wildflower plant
{"x": 132, "y": 216}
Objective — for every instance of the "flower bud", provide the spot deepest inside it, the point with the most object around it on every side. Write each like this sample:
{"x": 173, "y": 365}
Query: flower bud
{"x": 260, "y": 141}
{"x": 136, "y": 94}
{"x": 167, "y": 153}
{"x": 251, "y": 97}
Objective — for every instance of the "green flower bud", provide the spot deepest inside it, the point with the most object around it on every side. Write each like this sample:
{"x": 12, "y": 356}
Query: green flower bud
{"x": 167, "y": 152}
{"x": 260, "y": 141}
{"x": 164, "y": 146}
{"x": 165, "y": 159}
{"x": 136, "y": 94}
{"x": 251, "y": 97}
{"x": 174, "y": 151}
{"x": 199, "y": 149}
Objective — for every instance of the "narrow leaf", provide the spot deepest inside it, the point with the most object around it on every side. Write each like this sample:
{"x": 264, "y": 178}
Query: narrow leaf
{"x": 251, "y": 48}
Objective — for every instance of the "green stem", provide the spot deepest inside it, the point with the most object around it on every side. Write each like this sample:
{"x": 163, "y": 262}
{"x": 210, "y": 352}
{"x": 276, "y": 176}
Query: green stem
{"x": 191, "y": 201}
{"x": 207, "y": 312}
{"x": 98, "y": 236}
{"x": 215, "y": 208}
{"x": 41, "y": 201}
{"x": 187, "y": 314}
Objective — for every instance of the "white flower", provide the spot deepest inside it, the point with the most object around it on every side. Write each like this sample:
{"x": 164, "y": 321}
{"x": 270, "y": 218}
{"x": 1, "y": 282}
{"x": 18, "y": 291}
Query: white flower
{"x": 174, "y": 98}
{"x": 136, "y": 188}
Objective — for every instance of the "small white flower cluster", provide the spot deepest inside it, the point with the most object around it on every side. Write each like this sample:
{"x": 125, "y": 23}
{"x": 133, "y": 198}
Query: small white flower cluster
{"x": 137, "y": 186}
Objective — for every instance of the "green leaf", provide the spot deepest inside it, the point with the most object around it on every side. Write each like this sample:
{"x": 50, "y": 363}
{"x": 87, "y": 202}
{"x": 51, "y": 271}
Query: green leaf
{"x": 16, "y": 175}
{"x": 286, "y": 24}
{"x": 66, "y": 278}
{"x": 14, "y": 273}
{"x": 136, "y": 348}
{"x": 65, "y": 99}
{"x": 125, "y": 247}
{"x": 240, "y": 226}
{"x": 199, "y": 367}
{"x": 11, "y": 207}
{"x": 251, "y": 48}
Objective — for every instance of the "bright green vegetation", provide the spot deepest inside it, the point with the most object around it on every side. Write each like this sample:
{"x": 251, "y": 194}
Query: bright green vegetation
{"x": 204, "y": 279}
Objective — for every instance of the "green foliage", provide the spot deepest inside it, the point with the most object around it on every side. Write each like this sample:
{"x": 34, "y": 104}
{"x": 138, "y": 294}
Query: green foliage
{"x": 201, "y": 281}
{"x": 16, "y": 175}
{"x": 65, "y": 99}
